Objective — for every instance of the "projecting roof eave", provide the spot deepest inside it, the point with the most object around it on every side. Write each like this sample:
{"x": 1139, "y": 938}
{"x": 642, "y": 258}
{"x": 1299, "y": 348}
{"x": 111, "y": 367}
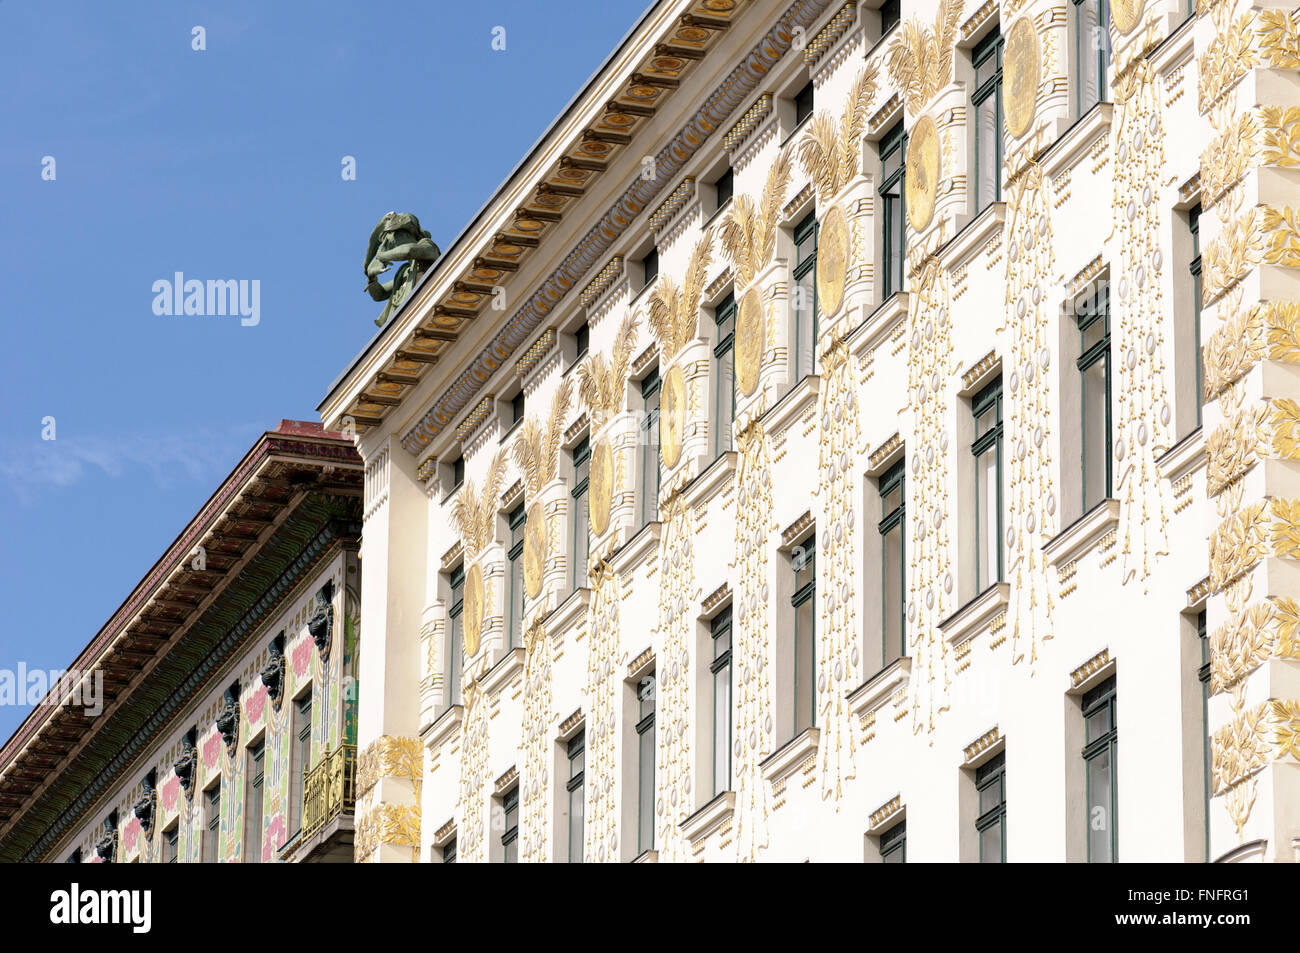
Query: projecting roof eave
{"x": 232, "y": 525}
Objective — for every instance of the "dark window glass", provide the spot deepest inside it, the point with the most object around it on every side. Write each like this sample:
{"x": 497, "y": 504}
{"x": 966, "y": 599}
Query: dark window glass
{"x": 893, "y": 211}
{"x": 720, "y": 669}
{"x": 803, "y": 104}
{"x": 577, "y": 762}
{"x": 803, "y": 562}
{"x": 650, "y": 266}
{"x": 893, "y": 844}
{"x": 1099, "y": 769}
{"x": 991, "y": 824}
{"x": 1094, "y": 371}
{"x": 582, "y": 338}
{"x": 724, "y": 358}
{"x": 581, "y": 517}
{"x": 456, "y": 635}
{"x": 300, "y": 757}
{"x": 449, "y": 852}
{"x": 986, "y": 101}
{"x": 253, "y": 830}
{"x": 1194, "y": 267}
{"x": 510, "y": 835}
{"x": 645, "y": 746}
{"x": 213, "y": 836}
{"x": 517, "y": 520}
{"x": 1203, "y": 675}
{"x": 171, "y": 840}
{"x": 987, "y": 448}
{"x": 889, "y": 15}
{"x": 805, "y": 301}
{"x": 650, "y": 448}
{"x": 725, "y": 187}
{"x": 893, "y": 577}
{"x": 1092, "y": 52}
{"x": 457, "y": 472}
{"x": 517, "y": 408}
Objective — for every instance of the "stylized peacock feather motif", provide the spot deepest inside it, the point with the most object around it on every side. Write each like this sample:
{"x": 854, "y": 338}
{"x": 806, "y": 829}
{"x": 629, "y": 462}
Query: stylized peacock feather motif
{"x": 601, "y": 382}
{"x": 921, "y": 59}
{"x": 674, "y": 309}
{"x": 474, "y": 510}
{"x": 536, "y": 449}
{"x": 749, "y": 232}
{"x": 830, "y": 151}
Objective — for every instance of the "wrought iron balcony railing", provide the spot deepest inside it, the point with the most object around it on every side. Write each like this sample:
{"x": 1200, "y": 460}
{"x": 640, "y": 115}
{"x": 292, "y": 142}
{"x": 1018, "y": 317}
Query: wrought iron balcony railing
{"x": 329, "y": 789}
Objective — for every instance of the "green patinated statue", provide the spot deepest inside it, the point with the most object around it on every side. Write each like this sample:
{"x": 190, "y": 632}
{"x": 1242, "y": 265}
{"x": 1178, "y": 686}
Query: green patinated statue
{"x": 397, "y": 237}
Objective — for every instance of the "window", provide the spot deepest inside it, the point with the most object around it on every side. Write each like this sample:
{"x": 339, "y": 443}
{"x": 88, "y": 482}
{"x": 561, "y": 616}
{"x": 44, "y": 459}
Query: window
{"x": 171, "y": 839}
{"x": 805, "y": 296}
{"x": 1094, "y": 369}
{"x": 516, "y": 408}
{"x": 725, "y": 187}
{"x": 987, "y": 448}
{"x": 1203, "y": 675}
{"x": 517, "y": 519}
{"x": 1091, "y": 52}
{"x": 74, "y": 857}
{"x": 645, "y": 753}
{"x": 212, "y": 811}
{"x": 1099, "y": 772}
{"x": 893, "y": 579}
{"x": 449, "y": 852}
{"x": 1194, "y": 359}
{"x": 893, "y": 844}
{"x": 724, "y": 364}
{"x": 581, "y": 340}
{"x": 889, "y": 15}
{"x": 720, "y": 628}
{"x": 581, "y": 541}
{"x": 650, "y": 267}
{"x": 456, "y": 636}
{"x": 510, "y": 835}
{"x": 300, "y": 759}
{"x": 253, "y": 821}
{"x": 803, "y": 103}
{"x": 577, "y": 761}
{"x": 986, "y": 101}
{"x": 991, "y": 825}
{"x": 893, "y": 217}
{"x": 650, "y": 449}
{"x": 803, "y": 563}
{"x": 457, "y": 472}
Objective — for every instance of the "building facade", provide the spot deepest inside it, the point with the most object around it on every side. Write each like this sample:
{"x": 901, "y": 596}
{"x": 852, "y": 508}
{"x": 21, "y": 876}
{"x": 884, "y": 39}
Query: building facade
{"x": 855, "y": 432}
{"x": 224, "y": 728}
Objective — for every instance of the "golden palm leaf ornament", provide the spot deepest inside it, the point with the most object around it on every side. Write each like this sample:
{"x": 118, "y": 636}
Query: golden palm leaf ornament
{"x": 536, "y": 450}
{"x": 921, "y": 58}
{"x": 749, "y": 232}
{"x": 673, "y": 310}
{"x": 830, "y": 151}
{"x": 473, "y": 512}
{"x": 601, "y": 382}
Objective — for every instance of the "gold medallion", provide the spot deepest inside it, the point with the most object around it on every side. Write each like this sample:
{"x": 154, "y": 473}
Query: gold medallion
{"x": 749, "y": 341}
{"x": 473, "y": 610}
{"x": 832, "y": 262}
{"x": 922, "y": 172}
{"x": 1023, "y": 70}
{"x": 672, "y": 417}
{"x": 1126, "y": 15}
{"x": 534, "y": 550}
{"x": 602, "y": 487}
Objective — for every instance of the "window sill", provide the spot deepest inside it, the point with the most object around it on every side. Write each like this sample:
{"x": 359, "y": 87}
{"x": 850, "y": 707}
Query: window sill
{"x": 635, "y": 550}
{"x": 974, "y": 616}
{"x": 796, "y": 400}
{"x": 877, "y": 690}
{"x": 879, "y": 324}
{"x": 790, "y": 756}
{"x": 710, "y": 817}
{"x": 503, "y": 671}
{"x": 647, "y": 857}
{"x": 963, "y": 246}
{"x": 1083, "y": 534}
{"x": 1184, "y": 458}
{"x": 714, "y": 477}
{"x": 443, "y": 727}
{"x": 1066, "y": 151}
{"x": 572, "y": 609}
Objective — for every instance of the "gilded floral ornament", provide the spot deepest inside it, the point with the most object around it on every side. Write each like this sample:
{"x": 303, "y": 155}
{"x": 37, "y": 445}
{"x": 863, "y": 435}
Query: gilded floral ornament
{"x": 474, "y": 510}
{"x": 831, "y": 151}
{"x": 674, "y": 312}
{"x": 537, "y": 451}
{"x": 920, "y": 59}
{"x": 1126, "y": 15}
{"x": 674, "y": 714}
{"x": 473, "y": 610}
{"x": 603, "y": 382}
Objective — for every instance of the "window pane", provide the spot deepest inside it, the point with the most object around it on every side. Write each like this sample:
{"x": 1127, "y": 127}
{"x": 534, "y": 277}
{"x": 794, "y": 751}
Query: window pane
{"x": 805, "y": 664}
{"x": 575, "y": 825}
{"x": 581, "y": 523}
{"x": 1098, "y": 723}
{"x": 1096, "y": 439}
{"x": 805, "y": 318}
{"x": 722, "y": 729}
{"x": 646, "y": 790}
{"x": 988, "y": 166}
{"x": 1099, "y": 800}
{"x": 892, "y": 596}
{"x": 455, "y": 659}
{"x": 991, "y": 844}
{"x": 988, "y": 529}
{"x": 725, "y": 412}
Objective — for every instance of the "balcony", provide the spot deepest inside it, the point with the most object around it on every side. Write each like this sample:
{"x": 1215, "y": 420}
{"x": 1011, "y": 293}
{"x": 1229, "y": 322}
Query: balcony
{"x": 328, "y": 801}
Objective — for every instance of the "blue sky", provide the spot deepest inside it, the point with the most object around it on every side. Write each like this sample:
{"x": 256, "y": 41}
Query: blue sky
{"x": 222, "y": 163}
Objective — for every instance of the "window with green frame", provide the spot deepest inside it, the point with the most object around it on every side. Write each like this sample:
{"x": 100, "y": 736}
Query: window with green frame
{"x": 517, "y": 520}
{"x": 803, "y": 103}
{"x": 890, "y": 12}
{"x": 893, "y": 211}
{"x": 650, "y": 395}
{"x": 577, "y": 762}
{"x": 449, "y": 852}
{"x": 171, "y": 842}
{"x": 1102, "y": 798}
{"x": 803, "y": 563}
{"x": 893, "y": 844}
{"x": 212, "y": 810}
{"x": 510, "y": 826}
{"x": 1194, "y": 267}
{"x": 581, "y": 541}
{"x": 645, "y": 755}
{"x": 987, "y": 449}
{"x": 805, "y": 300}
{"x": 991, "y": 825}
{"x": 456, "y": 635}
{"x": 299, "y": 758}
{"x": 1203, "y": 676}
{"x": 893, "y": 577}
{"x": 1091, "y": 52}
{"x": 720, "y": 669}
{"x": 986, "y": 103}
{"x": 724, "y": 364}
{"x": 1094, "y": 372}
{"x": 581, "y": 340}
